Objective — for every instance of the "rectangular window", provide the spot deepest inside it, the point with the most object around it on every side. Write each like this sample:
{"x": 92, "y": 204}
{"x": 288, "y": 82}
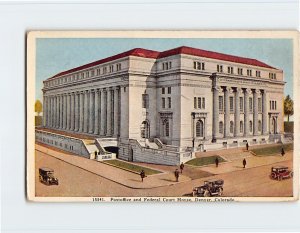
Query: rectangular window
{"x": 169, "y": 90}
{"x": 240, "y": 71}
{"x": 87, "y": 74}
{"x": 195, "y": 102}
{"x": 199, "y": 65}
{"x": 259, "y": 104}
{"x": 230, "y": 70}
{"x": 111, "y": 68}
{"x": 231, "y": 103}
{"x": 270, "y": 105}
{"x": 203, "y": 103}
{"x": 163, "y": 90}
{"x": 241, "y": 104}
{"x": 169, "y": 102}
{"x": 104, "y": 70}
{"x": 257, "y": 73}
{"x": 250, "y": 104}
{"x": 220, "y": 68}
{"x": 92, "y": 73}
{"x": 275, "y": 105}
{"x": 199, "y": 102}
{"x": 249, "y": 72}
{"x": 195, "y": 65}
{"x": 221, "y": 103}
{"x": 145, "y": 99}
{"x": 163, "y": 102}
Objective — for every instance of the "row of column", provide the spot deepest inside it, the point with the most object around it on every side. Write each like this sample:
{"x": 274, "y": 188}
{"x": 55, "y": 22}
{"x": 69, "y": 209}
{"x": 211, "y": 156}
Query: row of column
{"x": 95, "y": 111}
{"x": 237, "y": 93}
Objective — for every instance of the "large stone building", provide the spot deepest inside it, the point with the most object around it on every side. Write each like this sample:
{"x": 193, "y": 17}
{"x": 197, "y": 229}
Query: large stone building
{"x": 160, "y": 107}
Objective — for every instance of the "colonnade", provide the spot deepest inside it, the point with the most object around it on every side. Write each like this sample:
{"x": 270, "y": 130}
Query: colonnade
{"x": 93, "y": 111}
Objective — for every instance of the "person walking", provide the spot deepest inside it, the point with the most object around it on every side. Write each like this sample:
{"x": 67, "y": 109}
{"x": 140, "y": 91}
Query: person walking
{"x": 143, "y": 175}
{"x": 176, "y": 174}
{"x": 181, "y": 167}
{"x": 217, "y": 162}
{"x": 244, "y": 163}
{"x": 282, "y": 152}
{"x": 247, "y": 146}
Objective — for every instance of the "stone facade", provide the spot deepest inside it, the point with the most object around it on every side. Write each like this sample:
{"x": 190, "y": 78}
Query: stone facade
{"x": 188, "y": 98}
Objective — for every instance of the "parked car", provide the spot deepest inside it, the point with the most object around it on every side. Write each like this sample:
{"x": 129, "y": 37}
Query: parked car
{"x": 46, "y": 176}
{"x": 210, "y": 188}
{"x": 281, "y": 172}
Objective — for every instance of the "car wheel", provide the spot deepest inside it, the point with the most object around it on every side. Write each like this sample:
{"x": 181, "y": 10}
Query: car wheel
{"x": 273, "y": 176}
{"x": 291, "y": 174}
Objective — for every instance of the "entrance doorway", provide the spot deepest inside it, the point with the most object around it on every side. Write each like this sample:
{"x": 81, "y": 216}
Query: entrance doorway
{"x": 113, "y": 149}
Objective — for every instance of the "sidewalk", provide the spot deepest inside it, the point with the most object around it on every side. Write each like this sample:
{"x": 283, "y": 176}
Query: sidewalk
{"x": 125, "y": 178}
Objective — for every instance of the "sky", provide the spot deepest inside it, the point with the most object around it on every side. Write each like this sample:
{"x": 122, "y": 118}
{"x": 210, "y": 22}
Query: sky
{"x": 55, "y": 55}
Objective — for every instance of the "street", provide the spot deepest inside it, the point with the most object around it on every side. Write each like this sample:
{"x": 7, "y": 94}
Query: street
{"x": 75, "y": 181}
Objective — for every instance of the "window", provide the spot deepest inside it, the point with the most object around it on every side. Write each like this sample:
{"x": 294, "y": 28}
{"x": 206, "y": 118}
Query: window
{"x": 241, "y": 104}
{"x": 166, "y": 65}
{"x": 221, "y": 128}
{"x": 259, "y": 126}
{"x": 250, "y": 126}
{"x": 145, "y": 129}
{"x": 203, "y": 102}
{"x": 163, "y": 102}
{"x": 257, "y": 73}
{"x": 195, "y": 102}
{"x": 199, "y": 128}
{"x": 166, "y": 128}
{"x": 250, "y": 104}
{"x": 221, "y": 103}
{"x": 111, "y": 68}
{"x": 230, "y": 70}
{"x": 259, "y": 105}
{"x": 199, "y": 102}
{"x": 231, "y": 127}
{"x": 272, "y": 75}
{"x": 145, "y": 101}
{"x": 163, "y": 90}
{"x": 169, "y": 90}
{"x": 92, "y": 73}
{"x": 169, "y": 102}
{"x": 98, "y": 71}
{"x": 118, "y": 66}
{"x": 249, "y": 72}
{"x": 231, "y": 103}
{"x": 82, "y": 76}
{"x": 240, "y": 71}
{"x": 87, "y": 74}
{"x": 104, "y": 70}
{"x": 199, "y": 65}
{"x": 220, "y": 68}
{"x": 241, "y": 127}
{"x": 275, "y": 105}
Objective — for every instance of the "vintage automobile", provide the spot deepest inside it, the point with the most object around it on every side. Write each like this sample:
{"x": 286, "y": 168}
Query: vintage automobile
{"x": 280, "y": 172}
{"x": 46, "y": 176}
{"x": 210, "y": 188}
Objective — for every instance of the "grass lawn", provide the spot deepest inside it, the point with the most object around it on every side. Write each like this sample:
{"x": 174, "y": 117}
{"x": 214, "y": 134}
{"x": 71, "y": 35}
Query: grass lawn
{"x": 131, "y": 167}
{"x": 271, "y": 150}
{"x": 205, "y": 160}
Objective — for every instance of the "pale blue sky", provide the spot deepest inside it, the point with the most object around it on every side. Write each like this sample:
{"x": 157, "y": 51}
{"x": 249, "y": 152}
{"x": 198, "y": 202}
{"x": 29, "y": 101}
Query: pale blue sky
{"x": 56, "y": 55}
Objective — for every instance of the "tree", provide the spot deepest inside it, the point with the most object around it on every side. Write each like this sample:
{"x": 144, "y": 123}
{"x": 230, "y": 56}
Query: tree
{"x": 288, "y": 107}
{"x": 38, "y": 107}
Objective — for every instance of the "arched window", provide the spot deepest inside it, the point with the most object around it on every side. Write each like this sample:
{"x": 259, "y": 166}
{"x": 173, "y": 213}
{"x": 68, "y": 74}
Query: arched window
{"x": 231, "y": 127}
{"x": 145, "y": 129}
{"x": 199, "y": 128}
{"x": 166, "y": 128}
{"x": 259, "y": 125}
{"x": 241, "y": 127}
{"x": 250, "y": 126}
{"x": 221, "y": 128}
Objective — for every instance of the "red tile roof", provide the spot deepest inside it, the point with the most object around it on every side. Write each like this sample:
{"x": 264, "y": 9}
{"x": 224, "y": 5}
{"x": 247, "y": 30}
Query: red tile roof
{"x": 139, "y": 52}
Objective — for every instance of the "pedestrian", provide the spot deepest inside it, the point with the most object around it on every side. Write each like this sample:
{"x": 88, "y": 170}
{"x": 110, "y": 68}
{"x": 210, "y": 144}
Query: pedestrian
{"x": 247, "y": 146}
{"x": 244, "y": 163}
{"x": 181, "y": 167}
{"x": 217, "y": 161}
{"x": 282, "y": 152}
{"x": 143, "y": 175}
{"x": 176, "y": 174}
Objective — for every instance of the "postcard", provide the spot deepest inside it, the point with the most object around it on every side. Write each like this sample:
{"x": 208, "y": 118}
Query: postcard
{"x": 162, "y": 116}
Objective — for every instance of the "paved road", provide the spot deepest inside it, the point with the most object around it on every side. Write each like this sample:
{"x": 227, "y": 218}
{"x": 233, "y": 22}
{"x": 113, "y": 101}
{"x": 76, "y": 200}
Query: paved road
{"x": 75, "y": 181}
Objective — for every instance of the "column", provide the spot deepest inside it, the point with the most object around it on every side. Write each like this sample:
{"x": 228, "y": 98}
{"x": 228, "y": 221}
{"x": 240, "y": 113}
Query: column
{"x": 61, "y": 111}
{"x": 108, "y": 117}
{"x": 215, "y": 113}
{"x": 255, "y": 112}
{"x": 57, "y": 111}
{"x": 72, "y": 111}
{"x": 76, "y": 109}
{"x": 64, "y": 111}
{"x": 265, "y": 113}
{"x": 44, "y": 111}
{"x": 68, "y": 112}
{"x": 91, "y": 112}
{"x": 86, "y": 113}
{"x": 227, "y": 112}
{"x": 116, "y": 112}
{"x": 81, "y": 111}
{"x": 52, "y": 111}
{"x": 96, "y": 123}
{"x": 246, "y": 112}
{"x": 237, "y": 112}
{"x": 103, "y": 112}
